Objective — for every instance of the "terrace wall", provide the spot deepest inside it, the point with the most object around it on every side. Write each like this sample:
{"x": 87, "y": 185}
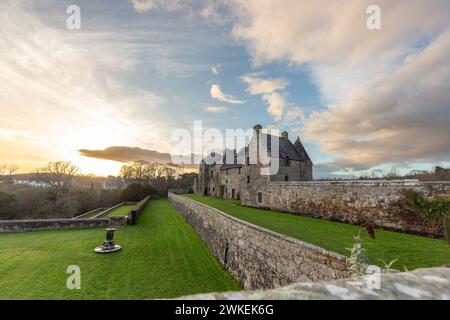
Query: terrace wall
{"x": 355, "y": 202}
{"x": 105, "y": 213}
{"x": 51, "y": 224}
{"x": 421, "y": 284}
{"x": 257, "y": 257}
{"x": 131, "y": 218}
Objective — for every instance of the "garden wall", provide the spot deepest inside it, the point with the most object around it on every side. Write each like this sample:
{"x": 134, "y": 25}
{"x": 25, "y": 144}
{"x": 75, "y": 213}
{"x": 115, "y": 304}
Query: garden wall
{"x": 105, "y": 213}
{"x": 180, "y": 191}
{"x": 257, "y": 257}
{"x": 49, "y": 224}
{"x": 421, "y": 284}
{"x": 355, "y": 202}
{"x": 137, "y": 210}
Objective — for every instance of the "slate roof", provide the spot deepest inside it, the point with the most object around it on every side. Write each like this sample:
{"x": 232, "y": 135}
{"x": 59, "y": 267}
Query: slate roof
{"x": 287, "y": 149}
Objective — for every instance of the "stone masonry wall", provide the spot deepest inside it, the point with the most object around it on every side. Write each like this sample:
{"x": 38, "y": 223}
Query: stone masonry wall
{"x": 257, "y": 257}
{"x": 353, "y": 202}
{"x": 49, "y": 224}
{"x": 231, "y": 179}
{"x": 421, "y": 284}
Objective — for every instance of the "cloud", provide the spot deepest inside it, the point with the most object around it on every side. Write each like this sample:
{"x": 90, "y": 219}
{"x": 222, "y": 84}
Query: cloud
{"x": 257, "y": 85}
{"x": 386, "y": 92}
{"x": 126, "y": 154}
{"x": 276, "y": 104}
{"x": 294, "y": 114}
{"x": 215, "y": 70}
{"x": 216, "y": 109}
{"x": 216, "y": 93}
{"x": 143, "y": 5}
{"x": 401, "y": 117}
{"x": 333, "y": 32}
{"x": 58, "y": 95}
{"x": 269, "y": 90}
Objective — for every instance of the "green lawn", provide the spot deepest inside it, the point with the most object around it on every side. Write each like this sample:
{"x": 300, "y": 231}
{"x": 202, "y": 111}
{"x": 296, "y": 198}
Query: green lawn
{"x": 162, "y": 257}
{"x": 94, "y": 213}
{"x": 122, "y": 210}
{"x": 412, "y": 251}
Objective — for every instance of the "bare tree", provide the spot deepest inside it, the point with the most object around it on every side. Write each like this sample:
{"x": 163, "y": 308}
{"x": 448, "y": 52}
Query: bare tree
{"x": 57, "y": 174}
{"x": 126, "y": 172}
{"x": 2, "y": 171}
{"x": 12, "y": 168}
{"x": 140, "y": 170}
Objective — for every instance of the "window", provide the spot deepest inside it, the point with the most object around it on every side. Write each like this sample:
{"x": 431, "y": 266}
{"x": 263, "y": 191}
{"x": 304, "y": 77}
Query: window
{"x": 286, "y": 178}
{"x": 226, "y": 181}
{"x": 248, "y": 160}
{"x": 260, "y": 197}
{"x": 240, "y": 170}
{"x": 213, "y": 189}
{"x": 248, "y": 179}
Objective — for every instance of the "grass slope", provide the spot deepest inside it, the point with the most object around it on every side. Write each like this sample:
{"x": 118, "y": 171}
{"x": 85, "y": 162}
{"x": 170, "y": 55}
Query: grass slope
{"x": 121, "y": 211}
{"x": 412, "y": 251}
{"x": 162, "y": 257}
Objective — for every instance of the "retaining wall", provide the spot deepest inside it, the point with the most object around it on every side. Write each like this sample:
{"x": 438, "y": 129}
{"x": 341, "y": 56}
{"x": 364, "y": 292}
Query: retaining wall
{"x": 137, "y": 210}
{"x": 356, "y": 202}
{"x": 421, "y": 284}
{"x": 49, "y": 224}
{"x": 257, "y": 257}
{"x": 105, "y": 213}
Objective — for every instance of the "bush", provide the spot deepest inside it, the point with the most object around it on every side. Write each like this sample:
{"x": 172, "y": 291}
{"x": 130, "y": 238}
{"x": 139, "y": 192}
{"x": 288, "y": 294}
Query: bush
{"x": 436, "y": 209}
{"x": 135, "y": 192}
{"x": 7, "y": 205}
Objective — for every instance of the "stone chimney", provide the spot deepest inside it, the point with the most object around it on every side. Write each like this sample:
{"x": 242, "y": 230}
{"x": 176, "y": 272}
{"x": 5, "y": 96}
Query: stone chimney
{"x": 285, "y": 135}
{"x": 257, "y": 128}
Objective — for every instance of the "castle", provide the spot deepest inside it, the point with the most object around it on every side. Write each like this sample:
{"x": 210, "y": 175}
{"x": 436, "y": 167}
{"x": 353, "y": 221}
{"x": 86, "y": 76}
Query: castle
{"x": 233, "y": 178}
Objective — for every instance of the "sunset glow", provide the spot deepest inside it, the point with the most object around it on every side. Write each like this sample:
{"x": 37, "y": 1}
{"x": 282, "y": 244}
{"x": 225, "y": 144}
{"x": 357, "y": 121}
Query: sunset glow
{"x": 132, "y": 73}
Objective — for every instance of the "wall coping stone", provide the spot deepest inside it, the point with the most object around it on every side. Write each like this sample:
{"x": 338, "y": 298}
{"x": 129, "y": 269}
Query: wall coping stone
{"x": 9, "y": 226}
{"x": 421, "y": 284}
{"x": 381, "y": 183}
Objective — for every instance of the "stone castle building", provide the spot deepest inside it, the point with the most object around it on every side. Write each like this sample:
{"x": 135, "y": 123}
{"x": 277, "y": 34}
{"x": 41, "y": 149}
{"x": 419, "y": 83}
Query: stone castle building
{"x": 241, "y": 176}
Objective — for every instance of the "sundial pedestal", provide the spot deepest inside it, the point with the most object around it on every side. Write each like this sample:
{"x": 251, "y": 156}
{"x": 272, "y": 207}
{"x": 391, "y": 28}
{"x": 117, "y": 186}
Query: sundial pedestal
{"x": 108, "y": 245}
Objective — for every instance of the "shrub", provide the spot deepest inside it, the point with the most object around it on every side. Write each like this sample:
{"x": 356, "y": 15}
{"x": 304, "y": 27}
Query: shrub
{"x": 358, "y": 261}
{"x": 436, "y": 209}
{"x": 136, "y": 192}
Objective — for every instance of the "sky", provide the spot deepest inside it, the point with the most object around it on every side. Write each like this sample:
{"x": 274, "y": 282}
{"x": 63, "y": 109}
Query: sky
{"x": 115, "y": 90}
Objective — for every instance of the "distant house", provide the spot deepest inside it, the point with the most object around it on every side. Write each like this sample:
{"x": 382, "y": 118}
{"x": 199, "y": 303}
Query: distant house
{"x": 227, "y": 178}
{"x": 112, "y": 183}
{"x": 32, "y": 183}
